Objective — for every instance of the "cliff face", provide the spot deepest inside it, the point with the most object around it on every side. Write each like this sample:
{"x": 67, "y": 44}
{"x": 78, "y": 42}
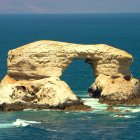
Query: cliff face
{"x": 32, "y": 79}
{"x": 46, "y": 93}
{"x": 120, "y": 90}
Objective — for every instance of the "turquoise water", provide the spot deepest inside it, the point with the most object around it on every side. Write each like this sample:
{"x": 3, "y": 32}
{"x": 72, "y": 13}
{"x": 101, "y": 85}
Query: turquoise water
{"x": 59, "y": 125}
{"x": 122, "y": 31}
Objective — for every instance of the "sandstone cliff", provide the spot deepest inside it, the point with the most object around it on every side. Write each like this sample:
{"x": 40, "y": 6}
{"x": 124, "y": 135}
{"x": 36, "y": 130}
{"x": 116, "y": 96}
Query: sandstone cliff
{"x": 32, "y": 79}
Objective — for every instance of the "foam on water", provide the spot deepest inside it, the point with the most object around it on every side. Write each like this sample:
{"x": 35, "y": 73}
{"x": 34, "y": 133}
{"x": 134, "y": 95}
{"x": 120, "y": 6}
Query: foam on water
{"x": 23, "y": 123}
{"x": 30, "y": 109}
{"x": 18, "y": 123}
{"x": 94, "y": 103}
{"x": 136, "y": 110}
{"x": 132, "y": 109}
{"x": 125, "y": 111}
{"x": 124, "y": 116}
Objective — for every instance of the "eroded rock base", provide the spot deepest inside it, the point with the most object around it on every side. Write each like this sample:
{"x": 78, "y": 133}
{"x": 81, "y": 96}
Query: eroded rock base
{"x": 19, "y": 106}
{"x": 118, "y": 90}
{"x": 135, "y": 101}
{"x": 47, "y": 93}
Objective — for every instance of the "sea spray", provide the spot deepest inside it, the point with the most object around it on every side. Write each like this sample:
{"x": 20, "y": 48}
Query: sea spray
{"x": 18, "y": 123}
{"x": 94, "y": 103}
{"x": 23, "y": 123}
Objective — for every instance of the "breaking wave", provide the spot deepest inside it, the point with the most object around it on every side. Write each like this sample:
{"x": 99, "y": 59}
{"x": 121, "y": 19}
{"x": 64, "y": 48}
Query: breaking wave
{"x": 18, "y": 123}
{"x": 125, "y": 111}
{"x": 94, "y": 103}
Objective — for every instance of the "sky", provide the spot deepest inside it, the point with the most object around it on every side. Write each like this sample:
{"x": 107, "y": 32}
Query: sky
{"x": 69, "y": 6}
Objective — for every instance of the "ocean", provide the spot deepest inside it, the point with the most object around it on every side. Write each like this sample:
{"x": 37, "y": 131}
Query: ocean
{"x": 119, "y": 30}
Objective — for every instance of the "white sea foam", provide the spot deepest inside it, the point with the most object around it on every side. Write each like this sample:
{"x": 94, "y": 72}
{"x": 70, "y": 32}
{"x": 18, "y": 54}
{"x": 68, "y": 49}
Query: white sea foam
{"x": 98, "y": 107}
{"x": 18, "y": 123}
{"x": 67, "y": 112}
{"x": 94, "y": 103}
{"x": 131, "y": 109}
{"x": 135, "y": 110}
{"x": 29, "y": 109}
{"x": 23, "y": 123}
{"x": 124, "y": 116}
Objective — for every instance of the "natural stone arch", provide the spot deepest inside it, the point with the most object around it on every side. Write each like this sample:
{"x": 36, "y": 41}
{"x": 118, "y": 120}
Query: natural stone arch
{"x": 49, "y": 58}
{"x": 34, "y": 70}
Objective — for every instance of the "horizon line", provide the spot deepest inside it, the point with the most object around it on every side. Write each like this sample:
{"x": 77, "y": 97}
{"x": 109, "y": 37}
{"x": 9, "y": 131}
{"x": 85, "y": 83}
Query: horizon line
{"x": 72, "y": 13}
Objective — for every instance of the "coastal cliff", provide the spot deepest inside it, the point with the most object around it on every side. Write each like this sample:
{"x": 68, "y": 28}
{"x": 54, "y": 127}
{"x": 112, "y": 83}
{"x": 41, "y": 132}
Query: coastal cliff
{"x": 34, "y": 70}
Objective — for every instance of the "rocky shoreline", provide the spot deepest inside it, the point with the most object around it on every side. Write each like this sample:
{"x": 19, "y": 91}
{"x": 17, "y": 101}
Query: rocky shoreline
{"x": 132, "y": 102}
{"x": 20, "y": 106}
{"x": 34, "y": 70}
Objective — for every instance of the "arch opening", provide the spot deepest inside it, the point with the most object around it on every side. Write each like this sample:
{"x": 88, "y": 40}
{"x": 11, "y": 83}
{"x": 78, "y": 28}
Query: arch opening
{"x": 79, "y": 75}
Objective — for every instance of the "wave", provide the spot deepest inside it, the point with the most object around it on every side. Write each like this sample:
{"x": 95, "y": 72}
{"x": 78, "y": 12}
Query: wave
{"x": 135, "y": 110}
{"x": 124, "y": 116}
{"x": 23, "y": 123}
{"x": 94, "y": 103}
{"x": 131, "y": 109}
{"x": 102, "y": 108}
{"x": 30, "y": 109}
{"x": 18, "y": 123}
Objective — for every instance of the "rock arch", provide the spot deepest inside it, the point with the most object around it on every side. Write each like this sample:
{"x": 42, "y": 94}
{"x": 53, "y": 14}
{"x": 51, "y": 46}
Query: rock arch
{"x": 37, "y": 66}
{"x": 43, "y": 59}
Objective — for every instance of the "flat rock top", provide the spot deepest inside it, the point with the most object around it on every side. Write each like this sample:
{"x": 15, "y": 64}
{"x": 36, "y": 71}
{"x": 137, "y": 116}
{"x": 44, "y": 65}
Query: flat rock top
{"x": 47, "y": 45}
{"x": 49, "y": 58}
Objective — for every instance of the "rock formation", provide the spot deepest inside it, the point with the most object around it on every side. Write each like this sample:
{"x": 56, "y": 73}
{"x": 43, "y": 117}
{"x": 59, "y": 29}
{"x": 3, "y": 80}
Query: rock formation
{"x": 120, "y": 90}
{"x": 32, "y": 80}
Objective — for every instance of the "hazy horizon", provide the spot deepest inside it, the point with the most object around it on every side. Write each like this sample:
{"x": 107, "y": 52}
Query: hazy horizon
{"x": 6, "y": 13}
{"x": 68, "y": 6}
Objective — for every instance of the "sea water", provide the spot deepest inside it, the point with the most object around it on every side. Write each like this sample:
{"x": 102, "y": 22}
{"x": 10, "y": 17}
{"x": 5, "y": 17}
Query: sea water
{"x": 119, "y": 30}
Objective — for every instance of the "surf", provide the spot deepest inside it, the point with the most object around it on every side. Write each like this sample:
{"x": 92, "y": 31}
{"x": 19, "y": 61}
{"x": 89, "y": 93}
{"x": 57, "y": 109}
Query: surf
{"x": 18, "y": 123}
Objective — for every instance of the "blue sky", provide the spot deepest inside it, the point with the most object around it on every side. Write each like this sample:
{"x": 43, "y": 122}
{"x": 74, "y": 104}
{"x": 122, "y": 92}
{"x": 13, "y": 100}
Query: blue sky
{"x": 69, "y": 6}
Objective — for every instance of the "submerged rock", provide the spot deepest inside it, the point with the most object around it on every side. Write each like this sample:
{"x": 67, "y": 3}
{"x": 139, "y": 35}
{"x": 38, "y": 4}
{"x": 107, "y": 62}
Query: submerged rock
{"x": 111, "y": 109}
{"x": 32, "y": 80}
